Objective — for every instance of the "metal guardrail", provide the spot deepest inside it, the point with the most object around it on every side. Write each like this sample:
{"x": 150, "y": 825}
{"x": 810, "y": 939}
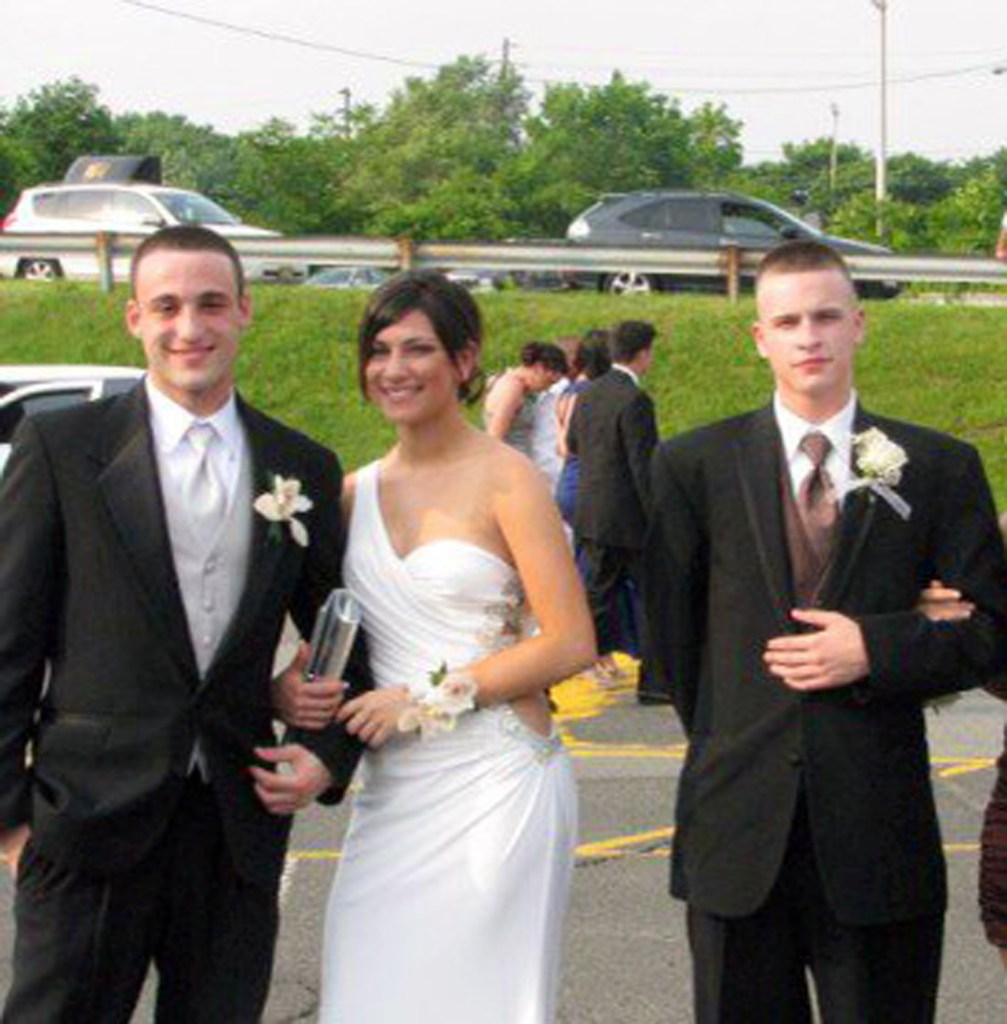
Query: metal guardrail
{"x": 729, "y": 263}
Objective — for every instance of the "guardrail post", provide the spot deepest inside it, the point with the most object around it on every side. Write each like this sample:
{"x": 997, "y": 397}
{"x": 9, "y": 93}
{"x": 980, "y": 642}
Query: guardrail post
{"x": 732, "y": 254}
{"x": 406, "y": 253}
{"x": 104, "y": 246}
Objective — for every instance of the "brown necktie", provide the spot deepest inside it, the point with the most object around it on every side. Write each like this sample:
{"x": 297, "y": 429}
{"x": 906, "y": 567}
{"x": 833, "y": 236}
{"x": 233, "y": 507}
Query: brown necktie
{"x": 816, "y": 498}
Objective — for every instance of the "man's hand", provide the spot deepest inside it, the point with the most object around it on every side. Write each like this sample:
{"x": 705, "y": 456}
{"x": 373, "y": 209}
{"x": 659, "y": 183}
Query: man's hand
{"x": 833, "y": 656}
{"x": 943, "y": 604}
{"x": 300, "y": 779}
{"x": 306, "y": 703}
{"x": 12, "y": 844}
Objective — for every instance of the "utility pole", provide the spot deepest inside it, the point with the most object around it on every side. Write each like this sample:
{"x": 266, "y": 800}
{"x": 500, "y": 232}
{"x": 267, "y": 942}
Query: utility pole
{"x": 346, "y": 94}
{"x": 505, "y": 57}
{"x": 880, "y": 182}
{"x": 833, "y": 156}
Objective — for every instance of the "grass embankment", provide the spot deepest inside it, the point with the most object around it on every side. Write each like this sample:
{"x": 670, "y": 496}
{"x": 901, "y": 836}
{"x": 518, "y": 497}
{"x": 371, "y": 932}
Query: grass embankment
{"x": 942, "y": 366}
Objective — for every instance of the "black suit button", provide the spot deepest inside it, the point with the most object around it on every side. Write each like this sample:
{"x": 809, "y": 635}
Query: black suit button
{"x": 794, "y": 759}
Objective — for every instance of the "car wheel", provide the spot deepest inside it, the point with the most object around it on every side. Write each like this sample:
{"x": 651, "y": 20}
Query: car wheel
{"x": 39, "y": 270}
{"x": 630, "y": 282}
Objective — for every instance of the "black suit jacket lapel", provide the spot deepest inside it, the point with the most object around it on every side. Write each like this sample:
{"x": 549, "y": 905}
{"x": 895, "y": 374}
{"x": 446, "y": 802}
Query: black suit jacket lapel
{"x": 854, "y": 525}
{"x": 757, "y": 455}
{"x": 131, "y": 490}
{"x": 267, "y": 547}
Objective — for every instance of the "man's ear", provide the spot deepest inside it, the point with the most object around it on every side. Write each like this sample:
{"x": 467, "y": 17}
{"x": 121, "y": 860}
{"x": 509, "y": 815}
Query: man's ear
{"x": 757, "y": 337}
{"x": 132, "y": 317}
{"x": 245, "y": 308}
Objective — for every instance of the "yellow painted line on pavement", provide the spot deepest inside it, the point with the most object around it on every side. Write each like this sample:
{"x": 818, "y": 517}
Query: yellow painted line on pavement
{"x": 961, "y": 765}
{"x": 623, "y": 844}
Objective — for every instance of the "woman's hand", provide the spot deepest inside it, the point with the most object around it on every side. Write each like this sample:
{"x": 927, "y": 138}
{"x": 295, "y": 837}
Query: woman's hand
{"x": 373, "y": 717}
{"x": 943, "y": 604}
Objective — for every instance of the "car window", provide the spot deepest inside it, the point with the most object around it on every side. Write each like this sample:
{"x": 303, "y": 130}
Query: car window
{"x": 752, "y": 222}
{"x": 87, "y": 204}
{"x": 50, "y": 204}
{"x": 651, "y": 216}
{"x": 11, "y": 415}
{"x": 190, "y": 208}
{"x": 131, "y": 208}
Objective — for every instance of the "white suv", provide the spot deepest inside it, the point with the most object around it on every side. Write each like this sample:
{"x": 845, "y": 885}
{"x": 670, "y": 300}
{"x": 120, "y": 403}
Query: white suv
{"x": 129, "y": 209}
{"x": 29, "y": 389}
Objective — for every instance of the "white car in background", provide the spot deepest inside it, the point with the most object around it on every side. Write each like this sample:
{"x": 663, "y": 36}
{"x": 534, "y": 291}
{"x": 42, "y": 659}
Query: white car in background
{"x": 25, "y": 390}
{"x": 127, "y": 208}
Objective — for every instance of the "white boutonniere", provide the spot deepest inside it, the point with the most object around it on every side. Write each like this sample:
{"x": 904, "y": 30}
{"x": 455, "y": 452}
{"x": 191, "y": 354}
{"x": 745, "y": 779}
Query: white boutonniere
{"x": 282, "y": 504}
{"x": 879, "y": 462}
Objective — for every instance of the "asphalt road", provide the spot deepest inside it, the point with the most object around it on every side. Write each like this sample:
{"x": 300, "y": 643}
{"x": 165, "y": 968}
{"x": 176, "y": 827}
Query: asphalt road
{"x": 626, "y": 955}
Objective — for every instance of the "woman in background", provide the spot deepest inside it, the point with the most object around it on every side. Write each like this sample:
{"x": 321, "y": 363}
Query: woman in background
{"x": 509, "y": 409}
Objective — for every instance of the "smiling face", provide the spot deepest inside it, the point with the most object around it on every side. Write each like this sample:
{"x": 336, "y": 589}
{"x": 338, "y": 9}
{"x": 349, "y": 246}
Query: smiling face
{"x": 409, "y": 374}
{"x": 189, "y": 316}
{"x": 809, "y": 329}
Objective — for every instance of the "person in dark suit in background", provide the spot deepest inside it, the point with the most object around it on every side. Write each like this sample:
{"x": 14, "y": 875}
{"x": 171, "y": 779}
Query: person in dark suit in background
{"x": 787, "y": 553}
{"x": 612, "y": 434}
{"x": 152, "y": 545}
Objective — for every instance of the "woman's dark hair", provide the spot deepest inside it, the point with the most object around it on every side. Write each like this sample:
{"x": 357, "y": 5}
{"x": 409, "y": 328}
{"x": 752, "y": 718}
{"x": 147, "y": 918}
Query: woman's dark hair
{"x": 448, "y": 306}
{"x": 593, "y": 356}
{"x": 536, "y": 353}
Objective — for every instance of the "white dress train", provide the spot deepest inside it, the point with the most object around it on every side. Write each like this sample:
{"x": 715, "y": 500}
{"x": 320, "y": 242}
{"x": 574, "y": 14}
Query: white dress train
{"x": 451, "y": 891}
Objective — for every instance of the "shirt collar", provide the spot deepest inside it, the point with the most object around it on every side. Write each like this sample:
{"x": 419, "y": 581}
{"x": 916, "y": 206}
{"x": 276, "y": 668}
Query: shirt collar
{"x": 629, "y": 373}
{"x": 838, "y": 428}
{"x": 169, "y": 421}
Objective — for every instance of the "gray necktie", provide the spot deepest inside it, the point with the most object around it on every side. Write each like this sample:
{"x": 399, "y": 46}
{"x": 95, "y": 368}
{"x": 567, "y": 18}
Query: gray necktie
{"x": 816, "y": 497}
{"x": 202, "y": 490}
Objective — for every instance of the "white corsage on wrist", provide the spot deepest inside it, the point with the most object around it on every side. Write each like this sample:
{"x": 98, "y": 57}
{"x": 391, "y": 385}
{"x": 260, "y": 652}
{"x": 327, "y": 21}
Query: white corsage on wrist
{"x": 451, "y": 695}
{"x": 879, "y": 462}
{"x": 282, "y": 504}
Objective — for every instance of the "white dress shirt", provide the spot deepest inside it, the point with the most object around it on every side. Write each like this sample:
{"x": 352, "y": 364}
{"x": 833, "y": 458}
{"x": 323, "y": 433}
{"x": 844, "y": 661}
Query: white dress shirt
{"x": 838, "y": 429}
{"x": 169, "y": 423}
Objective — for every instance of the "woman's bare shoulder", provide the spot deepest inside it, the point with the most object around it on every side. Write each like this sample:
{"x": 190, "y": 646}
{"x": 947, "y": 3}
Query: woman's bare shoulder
{"x": 349, "y": 494}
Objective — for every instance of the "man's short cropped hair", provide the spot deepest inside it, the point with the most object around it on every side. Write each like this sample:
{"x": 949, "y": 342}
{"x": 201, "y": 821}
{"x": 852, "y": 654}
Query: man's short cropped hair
{"x": 187, "y": 238}
{"x": 630, "y": 338}
{"x": 799, "y": 256}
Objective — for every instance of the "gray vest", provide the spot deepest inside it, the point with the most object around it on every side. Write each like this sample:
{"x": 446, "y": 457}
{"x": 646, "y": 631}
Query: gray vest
{"x": 212, "y": 571}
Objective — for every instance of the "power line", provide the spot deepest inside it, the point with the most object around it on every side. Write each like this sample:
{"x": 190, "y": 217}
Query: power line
{"x": 833, "y": 87}
{"x": 278, "y": 37}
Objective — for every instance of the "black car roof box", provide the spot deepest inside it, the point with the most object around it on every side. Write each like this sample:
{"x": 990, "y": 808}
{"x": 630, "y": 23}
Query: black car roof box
{"x": 114, "y": 168}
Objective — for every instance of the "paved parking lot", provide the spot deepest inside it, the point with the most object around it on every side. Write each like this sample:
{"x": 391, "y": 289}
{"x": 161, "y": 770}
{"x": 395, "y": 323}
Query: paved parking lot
{"x": 626, "y": 957}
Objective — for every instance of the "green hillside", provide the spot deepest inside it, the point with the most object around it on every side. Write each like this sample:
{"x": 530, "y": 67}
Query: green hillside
{"x": 944, "y": 366}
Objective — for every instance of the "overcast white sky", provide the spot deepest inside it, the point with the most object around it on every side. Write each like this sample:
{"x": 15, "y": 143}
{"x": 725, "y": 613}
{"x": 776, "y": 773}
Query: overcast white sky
{"x": 778, "y": 65}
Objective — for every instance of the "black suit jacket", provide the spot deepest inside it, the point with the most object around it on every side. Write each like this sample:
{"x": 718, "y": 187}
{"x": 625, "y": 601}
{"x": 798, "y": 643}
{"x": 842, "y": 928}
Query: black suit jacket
{"x": 613, "y": 433}
{"x": 98, "y": 679}
{"x": 718, "y": 588}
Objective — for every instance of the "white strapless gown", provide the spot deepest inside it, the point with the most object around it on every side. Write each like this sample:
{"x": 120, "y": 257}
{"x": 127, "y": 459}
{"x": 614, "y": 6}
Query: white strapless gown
{"x": 450, "y": 895}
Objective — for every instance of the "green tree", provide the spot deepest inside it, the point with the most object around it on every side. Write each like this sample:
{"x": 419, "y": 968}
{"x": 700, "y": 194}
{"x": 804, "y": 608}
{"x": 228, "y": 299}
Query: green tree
{"x": 17, "y": 170}
{"x": 419, "y": 165}
{"x": 588, "y": 140}
{"x": 714, "y": 145}
{"x": 59, "y": 122}
{"x": 293, "y": 182}
{"x": 192, "y": 156}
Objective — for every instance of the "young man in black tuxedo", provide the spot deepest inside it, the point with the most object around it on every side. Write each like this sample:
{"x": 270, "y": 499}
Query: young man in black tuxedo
{"x": 142, "y": 595}
{"x": 613, "y": 432}
{"x": 786, "y": 557}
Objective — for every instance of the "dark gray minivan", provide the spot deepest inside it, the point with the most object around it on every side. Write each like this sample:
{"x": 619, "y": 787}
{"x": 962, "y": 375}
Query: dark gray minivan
{"x": 679, "y": 219}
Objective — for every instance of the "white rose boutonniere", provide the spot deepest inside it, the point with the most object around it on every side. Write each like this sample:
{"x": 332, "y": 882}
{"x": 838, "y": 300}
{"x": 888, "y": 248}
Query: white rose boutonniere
{"x": 879, "y": 463}
{"x": 282, "y": 504}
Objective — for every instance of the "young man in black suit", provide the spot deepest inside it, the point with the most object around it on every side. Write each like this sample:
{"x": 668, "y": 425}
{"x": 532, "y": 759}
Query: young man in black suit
{"x": 142, "y": 595}
{"x": 783, "y": 576}
{"x": 613, "y": 432}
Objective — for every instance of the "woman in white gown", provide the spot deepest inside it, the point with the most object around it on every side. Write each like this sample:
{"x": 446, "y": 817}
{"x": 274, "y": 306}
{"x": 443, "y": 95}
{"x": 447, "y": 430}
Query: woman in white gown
{"x": 450, "y": 895}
